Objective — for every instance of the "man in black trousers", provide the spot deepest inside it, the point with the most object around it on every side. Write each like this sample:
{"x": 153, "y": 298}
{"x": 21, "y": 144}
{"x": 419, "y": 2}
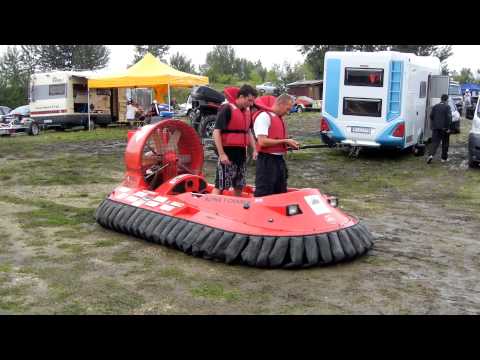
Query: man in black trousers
{"x": 441, "y": 122}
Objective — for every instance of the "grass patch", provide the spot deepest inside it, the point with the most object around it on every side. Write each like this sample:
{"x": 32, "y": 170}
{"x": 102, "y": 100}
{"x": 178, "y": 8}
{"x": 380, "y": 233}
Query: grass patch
{"x": 37, "y": 242}
{"x": 49, "y": 213}
{"x": 12, "y": 298}
{"x": 73, "y": 248}
{"x": 108, "y": 296}
{"x": 48, "y": 138}
{"x": 106, "y": 243}
{"x": 214, "y": 291}
{"x": 65, "y": 170}
{"x": 5, "y": 268}
{"x": 301, "y": 155}
{"x": 171, "y": 273}
{"x": 123, "y": 256}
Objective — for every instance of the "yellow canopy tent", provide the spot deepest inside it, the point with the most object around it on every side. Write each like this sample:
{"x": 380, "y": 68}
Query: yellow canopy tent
{"x": 151, "y": 73}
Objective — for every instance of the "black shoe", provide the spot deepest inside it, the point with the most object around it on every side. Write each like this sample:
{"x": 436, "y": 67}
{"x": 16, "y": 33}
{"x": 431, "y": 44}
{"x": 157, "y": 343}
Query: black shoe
{"x": 429, "y": 159}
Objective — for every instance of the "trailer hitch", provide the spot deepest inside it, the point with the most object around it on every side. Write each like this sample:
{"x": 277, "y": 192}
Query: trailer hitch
{"x": 354, "y": 151}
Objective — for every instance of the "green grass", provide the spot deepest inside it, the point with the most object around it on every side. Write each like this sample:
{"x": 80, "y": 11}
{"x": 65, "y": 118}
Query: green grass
{"x": 106, "y": 243}
{"x": 63, "y": 170}
{"x": 123, "y": 256}
{"x": 72, "y": 248}
{"x": 49, "y": 213}
{"x": 12, "y": 298}
{"x": 5, "y": 268}
{"x": 52, "y": 137}
{"x": 214, "y": 291}
{"x": 172, "y": 273}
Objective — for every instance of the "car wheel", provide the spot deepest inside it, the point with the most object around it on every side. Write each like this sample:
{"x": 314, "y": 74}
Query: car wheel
{"x": 33, "y": 130}
{"x": 299, "y": 108}
{"x": 471, "y": 163}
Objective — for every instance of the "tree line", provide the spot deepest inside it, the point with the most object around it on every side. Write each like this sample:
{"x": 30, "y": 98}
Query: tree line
{"x": 222, "y": 65}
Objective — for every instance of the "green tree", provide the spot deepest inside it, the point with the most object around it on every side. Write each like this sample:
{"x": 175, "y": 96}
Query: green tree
{"x": 64, "y": 57}
{"x": 442, "y": 52}
{"x": 465, "y": 76}
{"x": 260, "y": 70}
{"x": 182, "y": 63}
{"x": 220, "y": 63}
{"x": 315, "y": 54}
{"x": 14, "y": 79}
{"x": 274, "y": 74}
{"x": 158, "y": 51}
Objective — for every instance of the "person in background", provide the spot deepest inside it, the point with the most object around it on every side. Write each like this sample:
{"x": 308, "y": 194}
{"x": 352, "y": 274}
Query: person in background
{"x": 467, "y": 102}
{"x": 140, "y": 113}
{"x": 272, "y": 143}
{"x": 440, "y": 123}
{"x": 173, "y": 104}
{"x": 131, "y": 112}
{"x": 154, "y": 110}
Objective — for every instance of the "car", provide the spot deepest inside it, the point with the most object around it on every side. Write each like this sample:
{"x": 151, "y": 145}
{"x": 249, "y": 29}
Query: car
{"x": 455, "y": 92}
{"x": 305, "y": 103}
{"x": 474, "y": 140}
{"x": 187, "y": 108}
{"x": 267, "y": 88}
{"x": 4, "y": 110}
{"x": 455, "y": 115}
{"x": 470, "y": 111}
{"x": 19, "y": 121}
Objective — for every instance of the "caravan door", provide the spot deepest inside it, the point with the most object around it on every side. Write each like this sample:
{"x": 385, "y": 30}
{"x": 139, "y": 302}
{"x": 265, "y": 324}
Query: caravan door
{"x": 437, "y": 86}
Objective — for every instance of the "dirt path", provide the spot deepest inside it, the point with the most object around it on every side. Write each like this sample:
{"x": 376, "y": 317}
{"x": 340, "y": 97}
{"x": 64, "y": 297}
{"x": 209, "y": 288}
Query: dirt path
{"x": 55, "y": 259}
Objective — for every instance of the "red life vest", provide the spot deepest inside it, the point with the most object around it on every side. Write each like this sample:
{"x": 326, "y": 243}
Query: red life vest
{"x": 236, "y": 133}
{"x": 277, "y": 130}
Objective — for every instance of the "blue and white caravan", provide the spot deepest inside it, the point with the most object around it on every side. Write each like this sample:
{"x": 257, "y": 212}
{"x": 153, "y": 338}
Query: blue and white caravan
{"x": 378, "y": 99}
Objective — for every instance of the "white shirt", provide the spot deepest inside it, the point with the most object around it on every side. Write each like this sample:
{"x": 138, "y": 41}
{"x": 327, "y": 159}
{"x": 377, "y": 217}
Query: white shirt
{"x": 131, "y": 110}
{"x": 262, "y": 124}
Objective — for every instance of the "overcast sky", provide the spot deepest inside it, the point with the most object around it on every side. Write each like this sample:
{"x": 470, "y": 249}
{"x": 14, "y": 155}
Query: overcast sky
{"x": 122, "y": 55}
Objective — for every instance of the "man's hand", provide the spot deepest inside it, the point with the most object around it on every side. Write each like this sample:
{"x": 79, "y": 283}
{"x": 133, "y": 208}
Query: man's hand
{"x": 292, "y": 143}
{"x": 224, "y": 159}
{"x": 254, "y": 155}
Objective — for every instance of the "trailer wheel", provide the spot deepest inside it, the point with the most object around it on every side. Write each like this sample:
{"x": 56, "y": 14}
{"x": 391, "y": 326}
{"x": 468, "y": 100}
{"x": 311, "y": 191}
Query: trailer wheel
{"x": 33, "y": 130}
{"x": 207, "y": 125}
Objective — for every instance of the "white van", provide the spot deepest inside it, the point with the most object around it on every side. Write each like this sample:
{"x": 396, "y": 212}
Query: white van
{"x": 59, "y": 99}
{"x": 474, "y": 139}
{"x": 380, "y": 99}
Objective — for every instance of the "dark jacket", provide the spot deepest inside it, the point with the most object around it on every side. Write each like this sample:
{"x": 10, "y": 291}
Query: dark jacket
{"x": 441, "y": 117}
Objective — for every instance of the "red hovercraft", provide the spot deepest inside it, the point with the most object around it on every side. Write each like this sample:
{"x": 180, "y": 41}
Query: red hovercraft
{"x": 165, "y": 199}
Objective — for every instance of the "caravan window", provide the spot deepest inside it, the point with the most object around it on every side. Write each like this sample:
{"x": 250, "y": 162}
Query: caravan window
{"x": 364, "y": 77}
{"x": 423, "y": 89}
{"x": 362, "y": 107}
{"x": 57, "y": 89}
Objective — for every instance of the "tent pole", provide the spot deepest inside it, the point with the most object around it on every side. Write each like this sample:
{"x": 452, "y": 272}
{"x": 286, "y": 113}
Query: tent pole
{"x": 169, "y": 98}
{"x": 88, "y": 106}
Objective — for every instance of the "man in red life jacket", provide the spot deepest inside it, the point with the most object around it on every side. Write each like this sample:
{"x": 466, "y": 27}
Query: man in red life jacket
{"x": 232, "y": 136}
{"x": 271, "y": 132}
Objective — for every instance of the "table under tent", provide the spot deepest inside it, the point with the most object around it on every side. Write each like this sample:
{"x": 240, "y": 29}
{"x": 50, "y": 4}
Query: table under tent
{"x": 151, "y": 73}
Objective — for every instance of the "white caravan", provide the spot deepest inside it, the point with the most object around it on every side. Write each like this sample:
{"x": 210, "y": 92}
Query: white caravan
{"x": 380, "y": 99}
{"x": 59, "y": 99}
